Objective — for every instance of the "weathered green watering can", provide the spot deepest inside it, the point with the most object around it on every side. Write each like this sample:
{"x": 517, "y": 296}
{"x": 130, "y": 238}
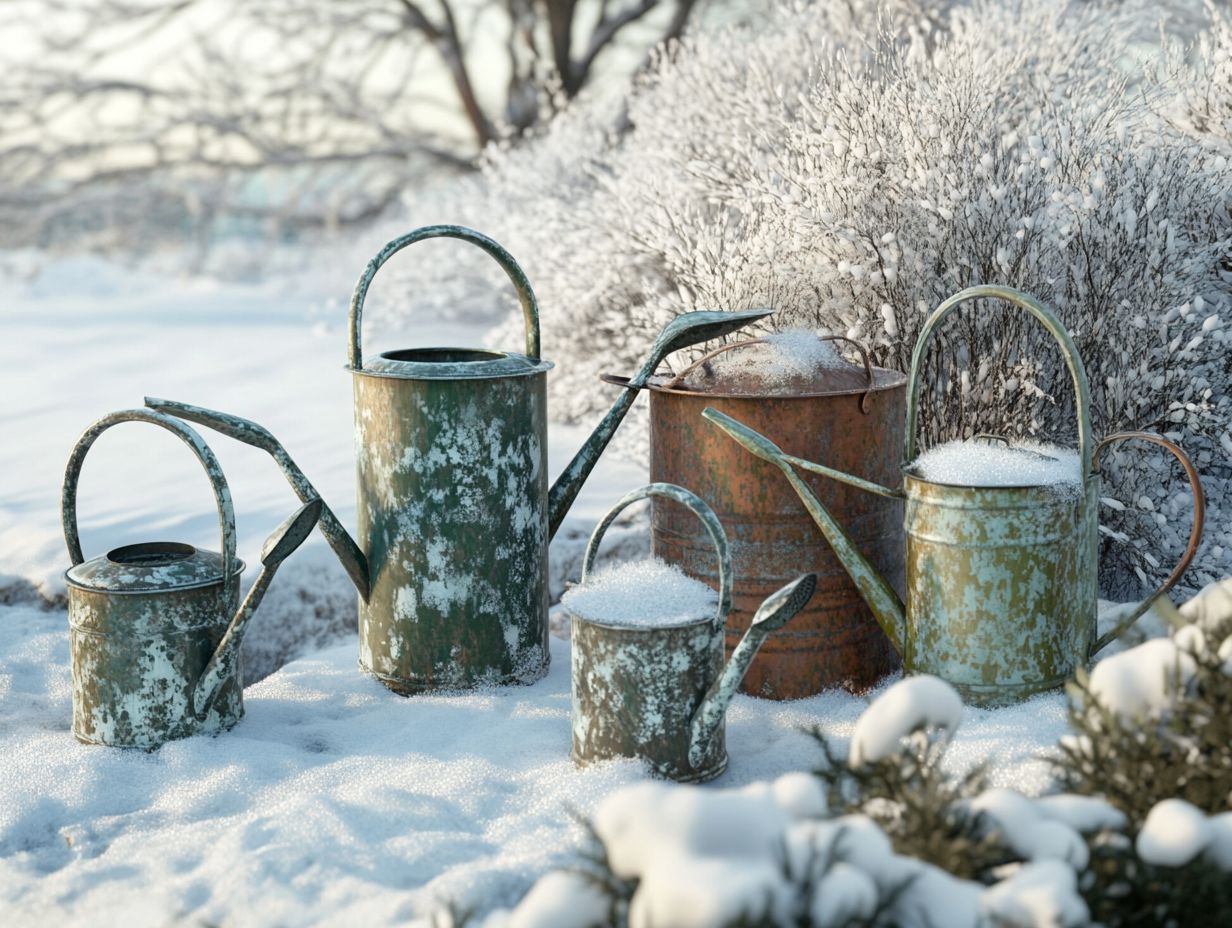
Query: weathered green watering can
{"x": 1002, "y": 592}
{"x": 455, "y": 513}
{"x": 155, "y": 628}
{"x": 657, "y": 689}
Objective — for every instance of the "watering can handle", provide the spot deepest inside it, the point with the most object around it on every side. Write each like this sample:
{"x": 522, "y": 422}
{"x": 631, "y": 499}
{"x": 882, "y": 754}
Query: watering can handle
{"x": 711, "y": 355}
{"x": 1041, "y": 312}
{"x": 526, "y": 296}
{"x": 222, "y": 494}
{"x": 694, "y": 504}
{"x": 1195, "y": 534}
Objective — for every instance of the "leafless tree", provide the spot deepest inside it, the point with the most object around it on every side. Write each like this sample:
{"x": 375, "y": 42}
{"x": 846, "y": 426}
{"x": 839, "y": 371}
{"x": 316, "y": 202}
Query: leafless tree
{"x": 118, "y": 116}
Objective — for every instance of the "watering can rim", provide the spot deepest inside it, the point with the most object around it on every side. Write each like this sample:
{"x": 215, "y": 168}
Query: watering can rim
{"x": 894, "y": 381}
{"x": 638, "y": 629}
{"x": 499, "y": 365}
{"x": 905, "y": 471}
{"x": 132, "y": 589}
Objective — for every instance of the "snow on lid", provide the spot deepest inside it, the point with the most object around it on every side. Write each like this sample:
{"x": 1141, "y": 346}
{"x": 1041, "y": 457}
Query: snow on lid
{"x": 992, "y": 464}
{"x": 790, "y": 361}
{"x": 910, "y": 704}
{"x": 645, "y": 594}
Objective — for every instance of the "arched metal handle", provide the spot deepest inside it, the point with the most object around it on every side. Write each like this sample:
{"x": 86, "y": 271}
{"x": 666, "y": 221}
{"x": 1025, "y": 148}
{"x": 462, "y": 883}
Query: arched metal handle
{"x": 222, "y": 494}
{"x": 526, "y": 296}
{"x": 1195, "y": 534}
{"x": 711, "y": 355}
{"x": 694, "y": 504}
{"x": 1023, "y": 301}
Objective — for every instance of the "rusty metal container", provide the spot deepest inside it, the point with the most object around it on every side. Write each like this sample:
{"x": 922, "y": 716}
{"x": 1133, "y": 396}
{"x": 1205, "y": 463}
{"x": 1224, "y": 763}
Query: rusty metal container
{"x": 851, "y": 418}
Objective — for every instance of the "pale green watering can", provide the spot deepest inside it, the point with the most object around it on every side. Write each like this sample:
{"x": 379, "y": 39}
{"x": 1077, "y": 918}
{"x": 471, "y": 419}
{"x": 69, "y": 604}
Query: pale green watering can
{"x": 1002, "y": 590}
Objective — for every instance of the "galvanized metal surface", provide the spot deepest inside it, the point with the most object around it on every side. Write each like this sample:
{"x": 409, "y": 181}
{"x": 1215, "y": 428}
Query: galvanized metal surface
{"x": 1001, "y": 581}
{"x": 835, "y": 641}
{"x": 155, "y": 646}
{"x": 139, "y": 641}
{"x": 636, "y": 689}
{"x": 660, "y": 692}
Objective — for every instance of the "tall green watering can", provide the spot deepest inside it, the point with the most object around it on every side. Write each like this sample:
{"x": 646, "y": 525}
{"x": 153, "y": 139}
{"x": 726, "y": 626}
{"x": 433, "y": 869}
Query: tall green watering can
{"x": 455, "y": 513}
{"x": 1002, "y": 592}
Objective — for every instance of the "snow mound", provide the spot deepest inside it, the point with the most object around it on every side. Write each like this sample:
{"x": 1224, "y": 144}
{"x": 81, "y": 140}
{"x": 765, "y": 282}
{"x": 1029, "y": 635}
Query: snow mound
{"x": 1040, "y": 893}
{"x": 1138, "y": 681}
{"x": 1018, "y": 822}
{"x": 987, "y": 464}
{"x": 911, "y": 704}
{"x": 648, "y": 593}
{"x": 1174, "y": 833}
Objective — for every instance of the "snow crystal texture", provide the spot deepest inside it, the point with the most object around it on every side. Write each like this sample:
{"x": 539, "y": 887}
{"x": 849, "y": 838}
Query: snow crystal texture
{"x": 989, "y": 464}
{"x": 646, "y": 593}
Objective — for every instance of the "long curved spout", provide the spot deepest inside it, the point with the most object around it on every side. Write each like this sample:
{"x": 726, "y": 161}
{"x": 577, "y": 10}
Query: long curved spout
{"x": 775, "y": 612}
{"x": 683, "y": 331}
{"x": 887, "y": 608}
{"x": 277, "y": 548}
{"x": 250, "y": 433}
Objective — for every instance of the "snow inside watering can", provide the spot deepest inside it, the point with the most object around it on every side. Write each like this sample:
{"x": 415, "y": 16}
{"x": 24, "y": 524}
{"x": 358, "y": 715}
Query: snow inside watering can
{"x": 155, "y": 628}
{"x": 454, "y": 508}
{"x": 1001, "y": 568}
{"x": 648, "y": 675}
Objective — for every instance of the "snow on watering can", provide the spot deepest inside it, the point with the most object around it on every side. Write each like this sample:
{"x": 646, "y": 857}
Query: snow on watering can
{"x": 455, "y": 513}
{"x": 650, "y": 682}
{"x": 155, "y": 628}
{"x": 1002, "y": 591}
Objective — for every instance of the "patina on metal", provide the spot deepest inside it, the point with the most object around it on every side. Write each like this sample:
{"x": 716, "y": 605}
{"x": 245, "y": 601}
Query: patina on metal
{"x": 660, "y": 692}
{"x": 850, "y": 418}
{"x": 1001, "y": 581}
{"x": 154, "y": 627}
{"x": 455, "y": 512}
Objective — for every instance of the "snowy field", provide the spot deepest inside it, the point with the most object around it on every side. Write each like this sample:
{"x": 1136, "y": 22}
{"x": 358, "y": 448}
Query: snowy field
{"x": 334, "y": 801}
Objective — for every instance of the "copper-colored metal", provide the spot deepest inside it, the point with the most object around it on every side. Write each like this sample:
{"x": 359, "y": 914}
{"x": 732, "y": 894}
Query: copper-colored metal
{"x": 1195, "y": 483}
{"x": 834, "y": 641}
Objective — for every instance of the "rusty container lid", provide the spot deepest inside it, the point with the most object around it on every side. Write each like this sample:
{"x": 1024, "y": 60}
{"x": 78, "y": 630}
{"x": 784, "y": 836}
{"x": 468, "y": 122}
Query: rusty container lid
{"x": 833, "y": 376}
{"x": 451, "y": 364}
{"x": 149, "y": 567}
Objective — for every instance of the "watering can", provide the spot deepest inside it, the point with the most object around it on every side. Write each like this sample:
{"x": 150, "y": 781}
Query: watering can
{"x": 1002, "y": 592}
{"x": 155, "y": 628}
{"x": 659, "y": 691}
{"x": 455, "y": 513}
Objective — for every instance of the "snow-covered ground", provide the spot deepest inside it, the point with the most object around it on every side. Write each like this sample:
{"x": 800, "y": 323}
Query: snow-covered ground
{"x": 334, "y": 801}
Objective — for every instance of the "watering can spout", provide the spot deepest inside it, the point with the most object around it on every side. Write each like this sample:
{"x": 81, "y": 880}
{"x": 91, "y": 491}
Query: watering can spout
{"x": 886, "y": 606}
{"x": 683, "y": 331}
{"x": 278, "y": 547}
{"x": 250, "y": 433}
{"x": 777, "y": 610}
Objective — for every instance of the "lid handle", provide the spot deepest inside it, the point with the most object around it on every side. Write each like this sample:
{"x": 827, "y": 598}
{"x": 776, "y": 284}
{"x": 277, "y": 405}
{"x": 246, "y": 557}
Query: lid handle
{"x": 696, "y": 505}
{"x": 526, "y": 296}
{"x": 1050, "y": 322}
{"x": 222, "y": 494}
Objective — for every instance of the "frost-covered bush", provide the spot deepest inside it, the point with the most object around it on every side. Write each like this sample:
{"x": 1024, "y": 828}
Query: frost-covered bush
{"x": 852, "y": 166}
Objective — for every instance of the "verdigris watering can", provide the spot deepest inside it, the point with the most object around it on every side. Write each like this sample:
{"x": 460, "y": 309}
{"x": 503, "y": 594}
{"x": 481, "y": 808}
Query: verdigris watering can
{"x": 656, "y": 688}
{"x": 455, "y": 513}
{"x": 1002, "y": 592}
{"x": 155, "y": 628}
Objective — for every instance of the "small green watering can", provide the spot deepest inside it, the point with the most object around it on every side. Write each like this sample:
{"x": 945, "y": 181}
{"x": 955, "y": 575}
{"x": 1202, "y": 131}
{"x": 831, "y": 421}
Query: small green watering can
{"x": 454, "y": 510}
{"x": 658, "y": 690}
{"x": 155, "y": 628}
{"x": 1002, "y": 591}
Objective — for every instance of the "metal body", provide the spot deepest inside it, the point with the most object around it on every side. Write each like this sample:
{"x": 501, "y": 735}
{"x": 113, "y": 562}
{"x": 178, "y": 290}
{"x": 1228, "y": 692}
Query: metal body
{"x": 455, "y": 512}
{"x": 661, "y": 692}
{"x": 836, "y": 640}
{"x": 1001, "y": 581}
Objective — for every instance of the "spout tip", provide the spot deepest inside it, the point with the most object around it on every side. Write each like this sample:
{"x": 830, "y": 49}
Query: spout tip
{"x": 291, "y": 533}
{"x": 782, "y": 605}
